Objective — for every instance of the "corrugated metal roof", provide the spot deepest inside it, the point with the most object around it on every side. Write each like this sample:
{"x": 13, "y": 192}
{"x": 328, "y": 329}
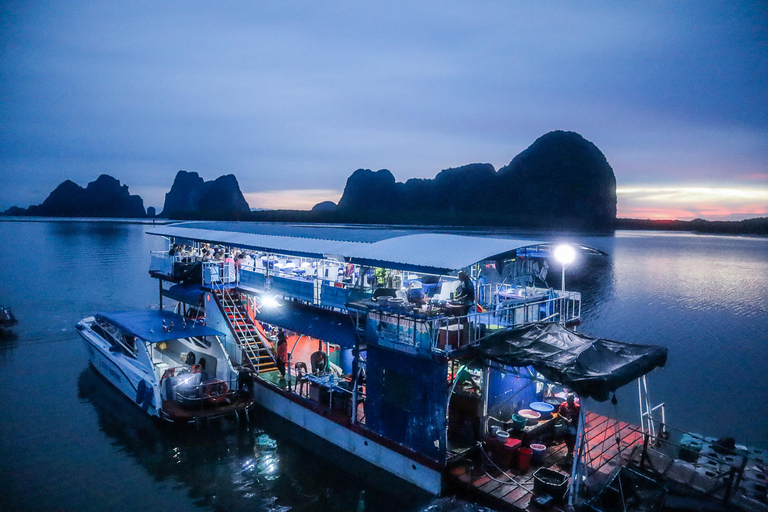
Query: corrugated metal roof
{"x": 291, "y": 245}
{"x": 435, "y": 251}
{"x": 427, "y": 252}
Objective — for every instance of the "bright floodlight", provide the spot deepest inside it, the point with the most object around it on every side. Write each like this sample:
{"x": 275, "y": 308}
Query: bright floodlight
{"x": 269, "y": 302}
{"x": 564, "y": 254}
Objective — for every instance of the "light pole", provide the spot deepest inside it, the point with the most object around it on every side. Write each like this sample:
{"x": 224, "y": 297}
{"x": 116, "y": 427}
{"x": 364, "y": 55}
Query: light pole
{"x": 565, "y": 255}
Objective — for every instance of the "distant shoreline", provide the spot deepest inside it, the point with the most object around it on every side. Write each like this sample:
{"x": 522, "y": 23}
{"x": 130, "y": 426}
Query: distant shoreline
{"x": 757, "y": 226}
{"x": 106, "y": 220}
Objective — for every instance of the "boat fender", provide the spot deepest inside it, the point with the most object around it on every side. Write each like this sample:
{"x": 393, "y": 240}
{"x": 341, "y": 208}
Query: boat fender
{"x": 141, "y": 389}
{"x": 149, "y": 397}
{"x": 216, "y": 391}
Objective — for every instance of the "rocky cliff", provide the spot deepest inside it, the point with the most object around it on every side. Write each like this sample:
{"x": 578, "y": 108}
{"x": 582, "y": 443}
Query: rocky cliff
{"x": 192, "y": 197}
{"x": 561, "y": 177}
{"x": 104, "y": 197}
{"x": 561, "y": 180}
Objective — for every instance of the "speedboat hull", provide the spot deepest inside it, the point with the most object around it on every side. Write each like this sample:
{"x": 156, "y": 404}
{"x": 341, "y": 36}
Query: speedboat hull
{"x": 172, "y": 369}
{"x": 137, "y": 385}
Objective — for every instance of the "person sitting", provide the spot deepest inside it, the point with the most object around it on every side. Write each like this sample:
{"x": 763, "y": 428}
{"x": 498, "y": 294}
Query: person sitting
{"x": 416, "y": 293}
{"x": 204, "y": 376}
{"x": 570, "y": 411}
{"x": 319, "y": 362}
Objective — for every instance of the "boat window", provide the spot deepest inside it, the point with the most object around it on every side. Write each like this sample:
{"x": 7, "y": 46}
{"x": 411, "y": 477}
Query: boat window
{"x": 98, "y": 330}
{"x": 202, "y": 341}
{"x": 116, "y": 338}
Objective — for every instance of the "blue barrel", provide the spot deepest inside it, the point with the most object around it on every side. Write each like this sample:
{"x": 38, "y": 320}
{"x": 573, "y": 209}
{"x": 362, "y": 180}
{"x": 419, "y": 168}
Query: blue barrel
{"x": 346, "y": 360}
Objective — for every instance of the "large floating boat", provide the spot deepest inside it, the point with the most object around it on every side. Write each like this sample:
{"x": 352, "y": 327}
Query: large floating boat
{"x": 441, "y": 359}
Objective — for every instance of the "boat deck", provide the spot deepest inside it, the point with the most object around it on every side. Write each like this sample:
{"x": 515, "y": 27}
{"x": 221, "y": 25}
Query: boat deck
{"x": 609, "y": 444}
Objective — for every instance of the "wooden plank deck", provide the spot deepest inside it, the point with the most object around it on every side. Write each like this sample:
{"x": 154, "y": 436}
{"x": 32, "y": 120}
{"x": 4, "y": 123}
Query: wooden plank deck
{"x": 609, "y": 444}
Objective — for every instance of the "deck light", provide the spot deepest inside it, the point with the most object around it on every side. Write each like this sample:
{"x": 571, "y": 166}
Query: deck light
{"x": 269, "y": 302}
{"x": 565, "y": 255}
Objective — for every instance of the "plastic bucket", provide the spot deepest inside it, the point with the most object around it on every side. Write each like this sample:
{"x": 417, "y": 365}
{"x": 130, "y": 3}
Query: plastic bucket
{"x": 539, "y": 451}
{"x": 524, "y": 458}
{"x": 543, "y": 408}
{"x": 503, "y": 435}
{"x": 530, "y": 415}
{"x": 518, "y": 422}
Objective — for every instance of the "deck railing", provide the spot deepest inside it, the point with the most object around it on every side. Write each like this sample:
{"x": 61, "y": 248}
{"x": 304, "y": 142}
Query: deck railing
{"x": 453, "y": 332}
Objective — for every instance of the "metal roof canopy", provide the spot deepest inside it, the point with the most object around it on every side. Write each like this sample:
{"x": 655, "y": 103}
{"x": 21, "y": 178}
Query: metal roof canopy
{"x": 148, "y": 325}
{"x": 427, "y": 252}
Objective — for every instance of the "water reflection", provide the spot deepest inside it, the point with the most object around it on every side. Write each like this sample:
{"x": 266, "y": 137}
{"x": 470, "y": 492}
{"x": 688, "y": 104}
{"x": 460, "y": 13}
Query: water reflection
{"x": 8, "y": 341}
{"x": 231, "y": 466}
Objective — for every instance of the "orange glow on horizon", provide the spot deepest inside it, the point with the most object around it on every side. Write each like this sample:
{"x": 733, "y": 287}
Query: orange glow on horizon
{"x": 298, "y": 199}
{"x": 688, "y": 203}
{"x": 646, "y": 202}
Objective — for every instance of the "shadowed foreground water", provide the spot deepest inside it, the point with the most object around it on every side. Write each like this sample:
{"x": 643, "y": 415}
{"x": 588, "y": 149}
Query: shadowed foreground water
{"x": 68, "y": 441}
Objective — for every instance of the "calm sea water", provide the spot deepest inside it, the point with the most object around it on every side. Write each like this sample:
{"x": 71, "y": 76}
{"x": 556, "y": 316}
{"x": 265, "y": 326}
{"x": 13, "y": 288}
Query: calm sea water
{"x": 68, "y": 441}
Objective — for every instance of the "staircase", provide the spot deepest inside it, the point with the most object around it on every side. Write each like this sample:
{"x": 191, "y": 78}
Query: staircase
{"x": 250, "y": 337}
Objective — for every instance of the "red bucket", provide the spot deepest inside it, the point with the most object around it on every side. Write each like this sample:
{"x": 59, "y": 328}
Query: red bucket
{"x": 524, "y": 458}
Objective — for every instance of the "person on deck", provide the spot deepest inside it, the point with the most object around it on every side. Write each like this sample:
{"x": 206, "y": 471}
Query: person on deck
{"x": 570, "y": 411}
{"x": 282, "y": 352}
{"x": 465, "y": 292}
{"x": 381, "y": 277}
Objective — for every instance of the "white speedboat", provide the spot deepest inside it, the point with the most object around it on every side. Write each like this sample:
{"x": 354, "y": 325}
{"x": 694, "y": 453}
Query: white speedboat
{"x": 173, "y": 368}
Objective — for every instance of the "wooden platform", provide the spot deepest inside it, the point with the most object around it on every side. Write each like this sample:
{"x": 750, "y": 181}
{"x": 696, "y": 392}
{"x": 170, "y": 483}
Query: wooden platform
{"x": 609, "y": 445}
{"x": 512, "y": 489}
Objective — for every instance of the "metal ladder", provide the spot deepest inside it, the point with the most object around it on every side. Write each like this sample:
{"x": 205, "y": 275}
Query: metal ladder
{"x": 249, "y": 337}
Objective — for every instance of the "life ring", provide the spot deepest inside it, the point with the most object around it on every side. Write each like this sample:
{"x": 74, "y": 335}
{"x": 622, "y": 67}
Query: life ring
{"x": 215, "y": 391}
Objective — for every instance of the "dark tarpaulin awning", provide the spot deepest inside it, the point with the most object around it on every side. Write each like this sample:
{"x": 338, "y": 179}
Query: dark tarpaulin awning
{"x": 189, "y": 294}
{"x": 591, "y": 367}
{"x": 321, "y": 324}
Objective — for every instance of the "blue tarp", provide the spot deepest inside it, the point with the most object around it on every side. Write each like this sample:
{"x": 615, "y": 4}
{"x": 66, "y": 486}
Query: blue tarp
{"x": 509, "y": 392}
{"x": 592, "y": 367}
{"x": 148, "y": 325}
{"x": 189, "y": 294}
{"x": 324, "y": 325}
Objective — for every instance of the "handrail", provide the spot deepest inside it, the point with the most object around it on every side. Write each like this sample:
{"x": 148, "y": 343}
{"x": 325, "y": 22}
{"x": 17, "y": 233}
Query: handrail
{"x": 560, "y": 307}
{"x": 730, "y": 474}
{"x": 225, "y": 300}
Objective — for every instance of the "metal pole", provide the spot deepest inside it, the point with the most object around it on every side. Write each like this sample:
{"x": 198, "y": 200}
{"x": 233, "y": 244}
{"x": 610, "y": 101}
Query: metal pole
{"x": 580, "y": 444}
{"x": 563, "y": 280}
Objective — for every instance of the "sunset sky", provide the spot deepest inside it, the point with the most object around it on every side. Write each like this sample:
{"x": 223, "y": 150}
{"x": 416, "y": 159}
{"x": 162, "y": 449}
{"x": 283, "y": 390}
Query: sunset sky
{"x": 292, "y": 97}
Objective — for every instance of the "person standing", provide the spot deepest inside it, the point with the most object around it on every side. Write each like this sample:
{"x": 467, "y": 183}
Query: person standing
{"x": 465, "y": 292}
{"x": 570, "y": 411}
{"x": 282, "y": 352}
